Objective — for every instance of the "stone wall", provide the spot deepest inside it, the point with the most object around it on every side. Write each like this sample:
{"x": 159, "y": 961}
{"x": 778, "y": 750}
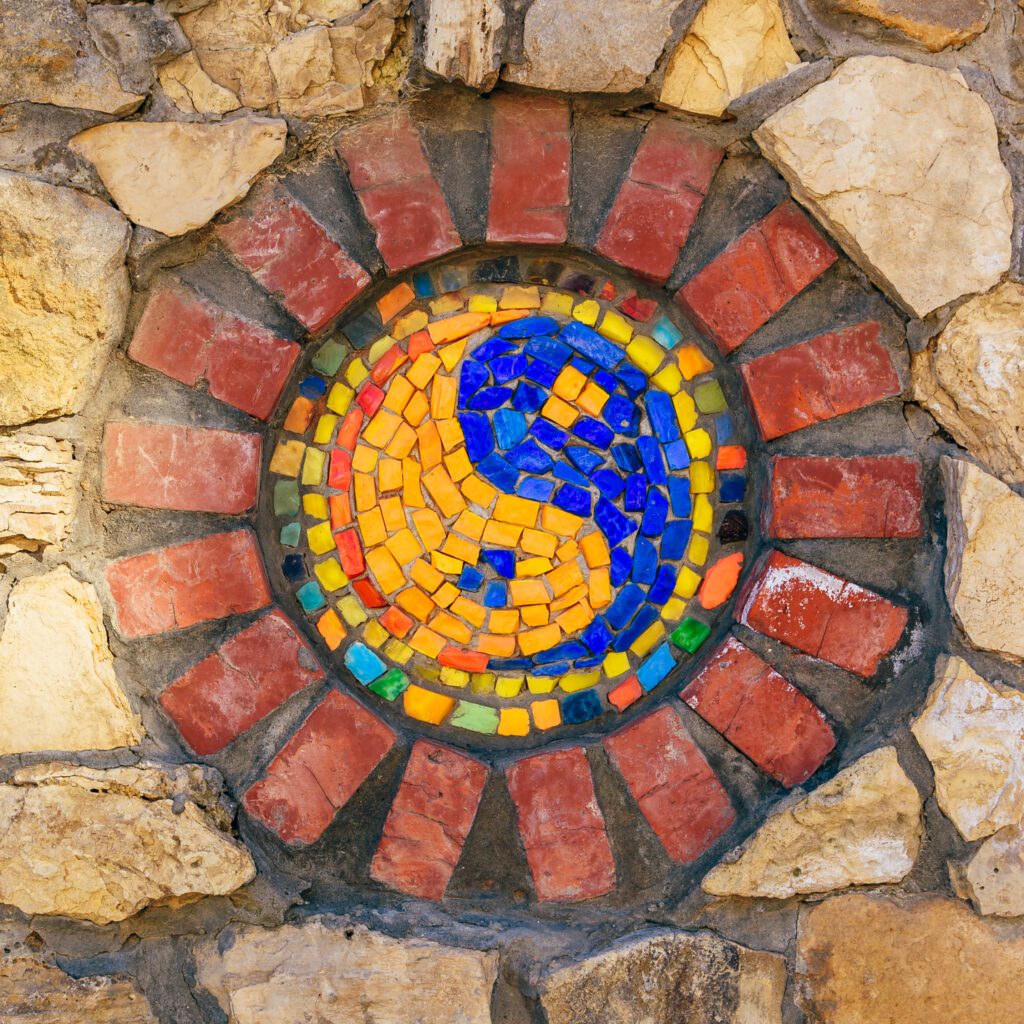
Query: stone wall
{"x": 762, "y": 761}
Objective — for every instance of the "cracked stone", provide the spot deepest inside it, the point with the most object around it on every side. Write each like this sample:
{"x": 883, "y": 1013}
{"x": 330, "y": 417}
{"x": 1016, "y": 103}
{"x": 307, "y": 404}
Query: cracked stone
{"x": 993, "y": 880}
{"x": 461, "y": 41}
{"x": 191, "y": 89}
{"x": 936, "y": 24}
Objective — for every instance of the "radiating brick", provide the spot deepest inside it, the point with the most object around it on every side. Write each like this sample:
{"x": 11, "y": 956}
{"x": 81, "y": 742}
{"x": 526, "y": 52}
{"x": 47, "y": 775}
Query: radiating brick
{"x": 429, "y": 820}
{"x": 821, "y": 614}
{"x": 244, "y": 679}
{"x": 319, "y": 769}
{"x": 678, "y": 792}
{"x": 760, "y": 713}
{"x": 189, "y": 469}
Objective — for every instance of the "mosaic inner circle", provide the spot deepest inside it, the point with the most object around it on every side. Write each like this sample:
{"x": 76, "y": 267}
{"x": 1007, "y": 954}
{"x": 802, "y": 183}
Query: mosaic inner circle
{"x": 505, "y": 507}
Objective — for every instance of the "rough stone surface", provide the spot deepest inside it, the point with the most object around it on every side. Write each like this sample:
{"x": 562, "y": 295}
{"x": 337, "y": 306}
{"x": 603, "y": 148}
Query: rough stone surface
{"x": 984, "y": 557}
{"x": 973, "y": 733}
{"x": 102, "y": 844}
{"x": 861, "y": 828}
{"x": 935, "y": 24}
{"x": 731, "y": 48}
{"x": 191, "y": 89}
{"x": 971, "y": 378}
{"x": 63, "y": 296}
{"x": 461, "y": 41}
{"x": 867, "y": 960}
{"x": 901, "y": 163}
{"x": 994, "y": 879}
{"x": 666, "y": 976}
{"x": 57, "y": 683}
{"x": 38, "y": 492}
{"x": 578, "y": 46}
{"x": 174, "y": 177}
{"x": 327, "y": 971}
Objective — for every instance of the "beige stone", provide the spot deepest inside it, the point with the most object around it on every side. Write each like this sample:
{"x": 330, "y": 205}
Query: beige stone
{"x": 984, "y": 557}
{"x": 935, "y": 24}
{"x": 668, "y": 976}
{"x": 63, "y": 296}
{"x": 363, "y": 44}
{"x": 38, "y": 492}
{"x": 971, "y": 378}
{"x": 58, "y": 690}
{"x": 580, "y": 46}
{"x": 461, "y": 41}
{"x": 993, "y": 879}
{"x": 869, "y": 960}
{"x": 328, "y": 971}
{"x": 973, "y": 733}
{"x": 901, "y": 163}
{"x": 102, "y": 844}
{"x": 174, "y": 177}
{"x": 861, "y": 828}
{"x": 191, "y": 89}
{"x": 303, "y": 68}
{"x": 731, "y": 48}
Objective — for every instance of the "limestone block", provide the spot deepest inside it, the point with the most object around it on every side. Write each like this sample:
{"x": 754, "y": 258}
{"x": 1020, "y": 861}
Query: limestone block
{"x": 984, "y": 557}
{"x": 334, "y": 973}
{"x": 901, "y": 163}
{"x": 102, "y": 844}
{"x": 174, "y": 177}
{"x": 935, "y": 24}
{"x": 993, "y": 880}
{"x": 861, "y": 828}
{"x": 303, "y": 67}
{"x": 731, "y": 48}
{"x": 63, "y": 296}
{"x": 461, "y": 41}
{"x": 191, "y": 89}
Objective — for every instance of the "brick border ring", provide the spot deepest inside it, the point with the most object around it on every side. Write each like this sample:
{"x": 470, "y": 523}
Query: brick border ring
{"x": 511, "y": 497}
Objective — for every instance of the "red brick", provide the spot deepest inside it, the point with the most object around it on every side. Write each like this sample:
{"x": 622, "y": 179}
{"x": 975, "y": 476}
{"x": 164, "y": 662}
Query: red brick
{"x": 319, "y": 769}
{"x": 678, "y": 793}
{"x": 761, "y": 714}
{"x": 868, "y": 496}
{"x": 658, "y": 202}
{"x": 190, "y": 340}
{"x": 822, "y": 615}
{"x": 240, "y": 683}
{"x": 429, "y": 820}
{"x": 561, "y": 825}
{"x": 819, "y": 379}
{"x": 292, "y": 256}
{"x": 398, "y": 191}
{"x": 179, "y": 586}
{"x": 743, "y": 287}
{"x": 190, "y": 469}
{"x": 530, "y": 155}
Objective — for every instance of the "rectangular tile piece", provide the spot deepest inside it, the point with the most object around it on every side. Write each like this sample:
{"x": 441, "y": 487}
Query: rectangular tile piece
{"x": 276, "y": 238}
{"x": 189, "y": 469}
{"x": 659, "y": 200}
{"x": 530, "y": 154}
{"x": 743, "y": 287}
{"x": 821, "y": 614}
{"x": 868, "y": 496}
{"x": 429, "y": 820}
{"x": 819, "y": 379}
{"x": 561, "y": 826}
{"x": 319, "y": 769}
{"x": 678, "y": 793}
{"x": 245, "y": 679}
{"x": 398, "y": 191}
{"x": 182, "y": 585}
{"x": 761, "y": 714}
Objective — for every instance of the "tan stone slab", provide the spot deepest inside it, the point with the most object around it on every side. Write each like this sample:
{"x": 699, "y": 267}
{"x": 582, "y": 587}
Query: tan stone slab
{"x": 935, "y": 24}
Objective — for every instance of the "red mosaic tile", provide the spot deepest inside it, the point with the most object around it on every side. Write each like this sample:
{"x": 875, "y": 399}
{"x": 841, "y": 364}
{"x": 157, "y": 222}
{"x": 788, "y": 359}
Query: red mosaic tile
{"x": 292, "y": 256}
{"x": 319, "y": 769}
{"x": 761, "y": 714}
{"x": 675, "y": 787}
{"x": 398, "y": 191}
{"x": 822, "y": 615}
{"x": 819, "y": 379}
{"x": 530, "y": 154}
{"x": 658, "y": 202}
{"x": 190, "y": 469}
{"x": 245, "y": 679}
{"x": 429, "y": 820}
{"x": 869, "y": 496}
{"x": 743, "y": 287}
{"x": 191, "y": 340}
{"x": 182, "y": 585}
{"x": 561, "y": 825}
